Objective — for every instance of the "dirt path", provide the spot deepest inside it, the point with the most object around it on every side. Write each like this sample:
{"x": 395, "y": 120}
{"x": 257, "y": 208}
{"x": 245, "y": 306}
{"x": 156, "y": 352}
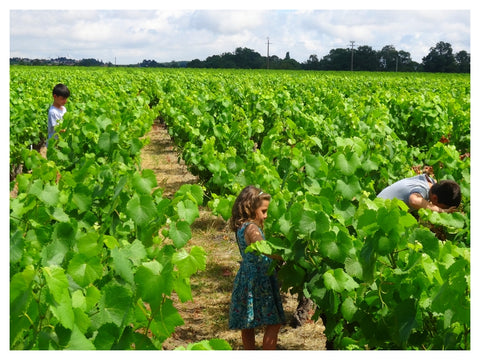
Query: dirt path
{"x": 206, "y": 317}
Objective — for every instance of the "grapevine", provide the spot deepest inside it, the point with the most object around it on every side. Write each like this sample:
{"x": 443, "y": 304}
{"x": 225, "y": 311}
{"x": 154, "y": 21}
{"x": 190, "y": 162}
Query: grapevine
{"x": 89, "y": 223}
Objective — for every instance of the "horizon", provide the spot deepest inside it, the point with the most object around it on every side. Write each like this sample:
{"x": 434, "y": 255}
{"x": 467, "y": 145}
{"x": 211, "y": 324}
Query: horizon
{"x": 126, "y": 37}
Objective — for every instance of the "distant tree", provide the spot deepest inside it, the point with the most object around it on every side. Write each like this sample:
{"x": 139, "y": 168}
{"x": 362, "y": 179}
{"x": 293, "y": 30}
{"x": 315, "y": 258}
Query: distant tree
{"x": 440, "y": 59}
{"x": 90, "y": 62}
{"x": 388, "y": 58}
{"x": 214, "y": 62}
{"x": 290, "y": 64}
{"x": 365, "y": 59}
{"x": 275, "y": 58}
{"x": 196, "y": 63}
{"x": 149, "y": 63}
{"x": 228, "y": 61}
{"x": 337, "y": 59}
{"x": 284, "y": 64}
{"x": 462, "y": 59}
{"x": 38, "y": 62}
{"x": 312, "y": 63}
{"x": 405, "y": 62}
{"x": 248, "y": 59}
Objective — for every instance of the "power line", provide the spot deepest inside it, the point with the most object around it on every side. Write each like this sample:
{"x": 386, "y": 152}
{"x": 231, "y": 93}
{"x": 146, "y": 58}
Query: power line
{"x": 352, "y": 44}
{"x": 268, "y": 52}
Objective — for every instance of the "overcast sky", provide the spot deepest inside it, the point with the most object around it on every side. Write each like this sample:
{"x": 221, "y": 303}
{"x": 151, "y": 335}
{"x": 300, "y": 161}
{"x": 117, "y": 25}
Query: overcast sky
{"x": 200, "y": 29}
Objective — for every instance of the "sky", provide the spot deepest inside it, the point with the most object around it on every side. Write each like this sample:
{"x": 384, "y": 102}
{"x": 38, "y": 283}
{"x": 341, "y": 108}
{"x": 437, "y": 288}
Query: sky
{"x": 187, "y": 30}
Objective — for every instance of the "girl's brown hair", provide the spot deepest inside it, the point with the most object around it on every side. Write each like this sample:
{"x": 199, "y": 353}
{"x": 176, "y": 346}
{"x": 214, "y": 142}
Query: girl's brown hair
{"x": 249, "y": 200}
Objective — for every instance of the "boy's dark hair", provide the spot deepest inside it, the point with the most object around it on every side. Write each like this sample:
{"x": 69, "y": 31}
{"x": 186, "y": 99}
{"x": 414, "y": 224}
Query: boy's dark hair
{"x": 61, "y": 90}
{"x": 448, "y": 192}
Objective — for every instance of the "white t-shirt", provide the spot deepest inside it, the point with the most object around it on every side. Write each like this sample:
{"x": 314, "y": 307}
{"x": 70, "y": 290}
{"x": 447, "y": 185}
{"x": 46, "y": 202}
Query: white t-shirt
{"x": 54, "y": 116}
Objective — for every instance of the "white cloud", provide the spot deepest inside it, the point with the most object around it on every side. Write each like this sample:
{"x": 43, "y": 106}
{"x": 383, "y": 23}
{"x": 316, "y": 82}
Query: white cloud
{"x": 227, "y": 21}
{"x": 165, "y": 35}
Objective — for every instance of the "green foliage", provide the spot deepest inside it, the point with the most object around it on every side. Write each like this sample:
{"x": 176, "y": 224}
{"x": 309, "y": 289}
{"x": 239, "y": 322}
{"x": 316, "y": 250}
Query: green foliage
{"x": 97, "y": 253}
{"x": 213, "y": 344}
{"x": 324, "y": 145}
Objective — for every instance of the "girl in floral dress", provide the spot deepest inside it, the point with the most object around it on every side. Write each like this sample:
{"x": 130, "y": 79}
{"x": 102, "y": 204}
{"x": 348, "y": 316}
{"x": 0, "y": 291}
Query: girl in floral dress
{"x": 256, "y": 295}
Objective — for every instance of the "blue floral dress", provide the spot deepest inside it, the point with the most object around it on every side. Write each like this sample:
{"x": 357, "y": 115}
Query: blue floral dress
{"x": 256, "y": 297}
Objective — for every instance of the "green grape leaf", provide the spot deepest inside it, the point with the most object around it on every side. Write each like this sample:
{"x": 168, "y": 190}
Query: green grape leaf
{"x": 50, "y": 195}
{"x": 353, "y": 267}
{"x": 85, "y": 270}
{"x": 166, "y": 320}
{"x": 387, "y": 219}
{"x": 180, "y": 233}
{"x": 183, "y": 289}
{"x": 114, "y": 306}
{"x": 212, "y": 344}
{"x": 315, "y": 166}
{"x": 429, "y": 241}
{"x": 405, "y": 316}
{"x": 348, "y": 190}
{"x": 188, "y": 211}
{"x": 141, "y": 209}
{"x": 82, "y": 197}
{"x": 21, "y": 283}
{"x": 135, "y": 251}
{"x": 145, "y": 182}
{"x": 60, "y": 215}
{"x": 152, "y": 280}
{"x": 221, "y": 206}
{"x": 88, "y": 244}
{"x": 348, "y": 309}
{"x": 54, "y": 253}
{"x": 191, "y": 191}
{"x": 337, "y": 280}
{"x": 347, "y": 165}
{"x": 189, "y": 263}
{"x": 92, "y": 296}
{"x": 108, "y": 140}
{"x": 122, "y": 264}
{"x": 106, "y": 336}
{"x": 57, "y": 284}
{"x": 335, "y": 246}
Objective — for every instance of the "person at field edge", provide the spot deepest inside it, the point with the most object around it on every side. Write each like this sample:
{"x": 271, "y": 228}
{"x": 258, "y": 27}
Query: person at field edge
{"x": 57, "y": 109}
{"x": 422, "y": 191}
{"x": 255, "y": 297}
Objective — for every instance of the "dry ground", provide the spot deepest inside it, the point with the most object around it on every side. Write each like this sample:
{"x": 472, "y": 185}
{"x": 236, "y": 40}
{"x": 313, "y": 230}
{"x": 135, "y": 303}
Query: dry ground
{"x": 206, "y": 317}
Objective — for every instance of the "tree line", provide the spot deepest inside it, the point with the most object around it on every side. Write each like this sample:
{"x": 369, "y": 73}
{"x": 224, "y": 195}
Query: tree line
{"x": 440, "y": 58}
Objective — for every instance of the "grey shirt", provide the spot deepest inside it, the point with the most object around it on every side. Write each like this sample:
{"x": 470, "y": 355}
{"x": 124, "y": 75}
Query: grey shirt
{"x": 402, "y": 189}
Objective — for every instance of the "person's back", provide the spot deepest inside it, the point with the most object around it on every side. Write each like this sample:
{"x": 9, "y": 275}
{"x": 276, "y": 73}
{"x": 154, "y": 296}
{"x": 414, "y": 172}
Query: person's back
{"x": 423, "y": 192}
{"x": 402, "y": 189}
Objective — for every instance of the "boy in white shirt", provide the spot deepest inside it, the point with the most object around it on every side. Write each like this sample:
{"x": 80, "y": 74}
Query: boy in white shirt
{"x": 57, "y": 109}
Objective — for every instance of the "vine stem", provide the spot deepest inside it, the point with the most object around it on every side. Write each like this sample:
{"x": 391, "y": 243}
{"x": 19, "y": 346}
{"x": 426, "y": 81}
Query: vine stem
{"x": 152, "y": 315}
{"x": 392, "y": 261}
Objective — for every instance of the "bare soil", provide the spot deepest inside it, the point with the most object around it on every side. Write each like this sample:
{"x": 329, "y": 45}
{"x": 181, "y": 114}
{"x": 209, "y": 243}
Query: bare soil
{"x": 206, "y": 316}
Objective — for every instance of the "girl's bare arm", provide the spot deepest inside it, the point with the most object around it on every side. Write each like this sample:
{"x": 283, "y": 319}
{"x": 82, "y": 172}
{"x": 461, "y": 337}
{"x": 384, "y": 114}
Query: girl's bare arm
{"x": 252, "y": 234}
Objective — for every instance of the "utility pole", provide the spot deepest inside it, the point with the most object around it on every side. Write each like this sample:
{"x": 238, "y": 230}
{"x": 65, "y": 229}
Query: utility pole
{"x": 352, "y": 44}
{"x": 268, "y": 53}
